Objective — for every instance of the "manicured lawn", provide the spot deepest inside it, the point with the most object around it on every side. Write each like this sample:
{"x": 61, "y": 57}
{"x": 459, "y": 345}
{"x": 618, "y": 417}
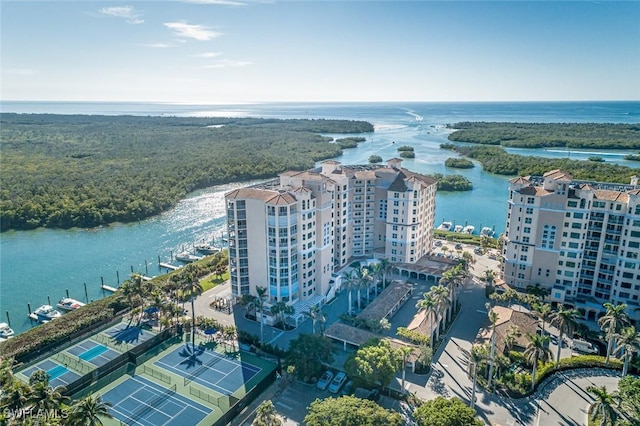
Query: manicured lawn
{"x": 213, "y": 280}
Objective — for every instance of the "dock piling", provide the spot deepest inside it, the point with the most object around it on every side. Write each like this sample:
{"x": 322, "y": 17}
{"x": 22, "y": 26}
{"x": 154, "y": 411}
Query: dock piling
{"x": 118, "y": 277}
{"x": 146, "y": 267}
{"x": 49, "y": 300}
{"x": 86, "y": 295}
{"x": 67, "y": 293}
{"x": 102, "y": 285}
{"x": 8, "y": 319}
{"x": 132, "y": 269}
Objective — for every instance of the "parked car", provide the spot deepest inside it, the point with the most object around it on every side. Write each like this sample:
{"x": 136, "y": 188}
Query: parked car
{"x": 371, "y": 395}
{"x": 347, "y": 389}
{"x": 458, "y": 246}
{"x": 325, "y": 380}
{"x": 337, "y": 382}
{"x": 438, "y": 243}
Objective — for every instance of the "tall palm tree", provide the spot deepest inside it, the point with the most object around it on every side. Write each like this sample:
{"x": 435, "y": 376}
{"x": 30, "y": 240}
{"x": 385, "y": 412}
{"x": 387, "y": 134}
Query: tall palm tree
{"x": 317, "y": 318}
{"x": 613, "y": 320}
{"x": 364, "y": 280}
{"x": 493, "y": 317}
{"x": 15, "y": 395}
{"x": 191, "y": 286}
{"x": 628, "y": 342}
{"x": 376, "y": 274}
{"x": 266, "y": 415}
{"x": 406, "y": 352}
{"x": 44, "y": 397}
{"x": 385, "y": 268}
{"x": 350, "y": 281}
{"x": 88, "y": 411}
{"x": 429, "y": 304}
{"x": 259, "y": 302}
{"x": 544, "y": 311}
{"x": 565, "y": 320}
{"x": 442, "y": 295}
{"x": 536, "y": 350}
{"x": 511, "y": 337}
{"x": 477, "y": 356}
{"x": 603, "y": 406}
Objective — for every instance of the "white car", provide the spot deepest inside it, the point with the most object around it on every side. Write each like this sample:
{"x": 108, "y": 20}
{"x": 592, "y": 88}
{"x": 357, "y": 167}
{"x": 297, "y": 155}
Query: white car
{"x": 325, "y": 380}
{"x": 337, "y": 382}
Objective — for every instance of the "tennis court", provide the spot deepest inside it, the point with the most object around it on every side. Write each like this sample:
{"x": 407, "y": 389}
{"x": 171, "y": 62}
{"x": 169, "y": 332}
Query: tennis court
{"x": 93, "y": 352}
{"x": 208, "y": 368}
{"x": 59, "y": 375}
{"x": 125, "y": 333}
{"x": 141, "y": 402}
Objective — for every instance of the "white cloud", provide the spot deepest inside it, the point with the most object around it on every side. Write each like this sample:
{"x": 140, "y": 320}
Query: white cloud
{"x": 196, "y": 32}
{"x": 129, "y": 13}
{"x": 158, "y": 45}
{"x": 208, "y": 55}
{"x": 220, "y": 2}
{"x": 227, "y": 63}
{"x": 19, "y": 71}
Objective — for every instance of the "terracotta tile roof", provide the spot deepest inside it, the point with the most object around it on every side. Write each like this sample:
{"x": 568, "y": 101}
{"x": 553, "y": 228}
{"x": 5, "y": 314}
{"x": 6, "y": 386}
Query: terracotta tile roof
{"x": 520, "y": 180}
{"x": 507, "y": 318}
{"x": 604, "y": 194}
{"x": 251, "y": 193}
{"x": 384, "y": 303}
{"x": 282, "y": 199}
{"x": 349, "y": 334}
{"x": 558, "y": 175}
{"x": 634, "y": 192}
{"x": 537, "y": 191}
{"x": 398, "y": 184}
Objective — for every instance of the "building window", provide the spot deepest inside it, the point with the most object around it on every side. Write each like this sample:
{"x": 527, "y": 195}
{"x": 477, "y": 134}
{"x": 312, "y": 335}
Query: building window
{"x": 548, "y": 237}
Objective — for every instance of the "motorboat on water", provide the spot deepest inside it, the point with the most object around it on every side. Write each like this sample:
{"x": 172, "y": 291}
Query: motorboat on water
{"x": 445, "y": 226}
{"x": 45, "y": 313}
{"x": 458, "y": 228}
{"x": 5, "y": 331}
{"x": 487, "y": 232}
{"x": 69, "y": 304}
{"x": 187, "y": 257}
{"x": 468, "y": 229}
{"x": 205, "y": 248}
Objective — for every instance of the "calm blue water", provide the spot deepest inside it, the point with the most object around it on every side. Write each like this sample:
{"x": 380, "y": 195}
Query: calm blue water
{"x": 41, "y": 263}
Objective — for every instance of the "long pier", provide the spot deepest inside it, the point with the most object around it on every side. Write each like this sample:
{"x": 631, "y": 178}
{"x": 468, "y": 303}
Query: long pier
{"x": 169, "y": 266}
{"x": 109, "y": 288}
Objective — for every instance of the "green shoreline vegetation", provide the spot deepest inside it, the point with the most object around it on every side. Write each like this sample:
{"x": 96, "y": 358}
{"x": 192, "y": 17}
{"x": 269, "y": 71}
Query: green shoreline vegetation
{"x": 350, "y": 142}
{"x": 545, "y": 135}
{"x": 63, "y": 171}
{"x": 459, "y": 163}
{"x": 496, "y": 160}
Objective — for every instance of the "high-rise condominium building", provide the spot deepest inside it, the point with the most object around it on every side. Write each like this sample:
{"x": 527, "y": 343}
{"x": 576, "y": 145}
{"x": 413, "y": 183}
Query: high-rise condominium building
{"x": 291, "y": 234}
{"x": 578, "y": 239}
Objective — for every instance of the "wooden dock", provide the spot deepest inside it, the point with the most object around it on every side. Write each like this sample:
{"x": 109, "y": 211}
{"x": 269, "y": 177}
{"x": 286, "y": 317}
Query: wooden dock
{"x": 169, "y": 266}
{"x": 109, "y": 288}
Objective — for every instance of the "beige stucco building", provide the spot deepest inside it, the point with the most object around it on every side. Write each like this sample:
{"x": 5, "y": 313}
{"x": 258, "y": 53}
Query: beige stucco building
{"x": 290, "y": 235}
{"x": 578, "y": 239}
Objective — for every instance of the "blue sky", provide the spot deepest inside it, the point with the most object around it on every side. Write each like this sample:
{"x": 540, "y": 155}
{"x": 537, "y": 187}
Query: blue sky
{"x": 222, "y": 51}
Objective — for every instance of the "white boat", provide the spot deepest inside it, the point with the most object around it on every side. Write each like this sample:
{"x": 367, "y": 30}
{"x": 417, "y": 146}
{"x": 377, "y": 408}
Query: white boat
{"x": 45, "y": 313}
{"x": 458, "y": 228}
{"x": 69, "y": 304}
{"x": 5, "y": 330}
{"x": 445, "y": 226}
{"x": 468, "y": 229}
{"x": 187, "y": 257}
{"x": 487, "y": 232}
{"x": 207, "y": 248}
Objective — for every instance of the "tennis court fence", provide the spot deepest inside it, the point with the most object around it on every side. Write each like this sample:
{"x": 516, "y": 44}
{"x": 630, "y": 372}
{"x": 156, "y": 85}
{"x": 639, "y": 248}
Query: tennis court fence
{"x": 73, "y": 362}
{"x": 108, "y": 341}
{"x": 221, "y": 401}
{"x": 156, "y": 374}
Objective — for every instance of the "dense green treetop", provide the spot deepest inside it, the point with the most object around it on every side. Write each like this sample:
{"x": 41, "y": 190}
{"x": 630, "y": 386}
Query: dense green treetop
{"x": 375, "y": 362}
{"x": 446, "y": 412}
{"x": 540, "y": 135}
{"x": 349, "y": 411}
{"x": 62, "y": 171}
{"x": 459, "y": 163}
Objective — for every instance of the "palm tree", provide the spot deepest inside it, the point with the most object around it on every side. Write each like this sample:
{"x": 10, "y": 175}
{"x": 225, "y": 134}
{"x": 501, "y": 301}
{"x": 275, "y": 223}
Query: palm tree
{"x": 259, "y": 303}
{"x": 266, "y": 415}
{"x": 565, "y": 320}
{"x": 385, "y": 268}
{"x": 603, "y": 406}
{"x": 15, "y": 395}
{"x": 88, "y": 411}
{"x": 611, "y": 322}
{"x": 442, "y": 295}
{"x": 317, "y": 316}
{"x": 376, "y": 274}
{"x": 628, "y": 342}
{"x": 44, "y": 397}
{"x": 350, "y": 282}
{"x": 493, "y": 317}
{"x": 511, "y": 337}
{"x": 406, "y": 352}
{"x": 364, "y": 280}
{"x": 544, "y": 311}
{"x": 279, "y": 309}
{"x": 429, "y": 304}
{"x": 477, "y": 355}
{"x": 191, "y": 286}
{"x": 536, "y": 350}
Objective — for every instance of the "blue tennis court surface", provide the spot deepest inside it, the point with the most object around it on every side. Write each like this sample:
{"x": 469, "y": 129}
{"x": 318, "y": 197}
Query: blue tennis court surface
{"x": 141, "y": 402}
{"x": 208, "y": 368}
{"x": 93, "y": 352}
{"x": 125, "y": 333}
{"x": 59, "y": 375}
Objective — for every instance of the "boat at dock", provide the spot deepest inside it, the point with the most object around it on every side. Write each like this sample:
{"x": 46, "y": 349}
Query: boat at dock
{"x": 187, "y": 257}
{"x": 44, "y": 313}
{"x": 487, "y": 232}
{"x": 468, "y": 229}
{"x": 5, "y": 331}
{"x": 69, "y": 304}
{"x": 445, "y": 226}
{"x": 458, "y": 228}
{"x": 207, "y": 248}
